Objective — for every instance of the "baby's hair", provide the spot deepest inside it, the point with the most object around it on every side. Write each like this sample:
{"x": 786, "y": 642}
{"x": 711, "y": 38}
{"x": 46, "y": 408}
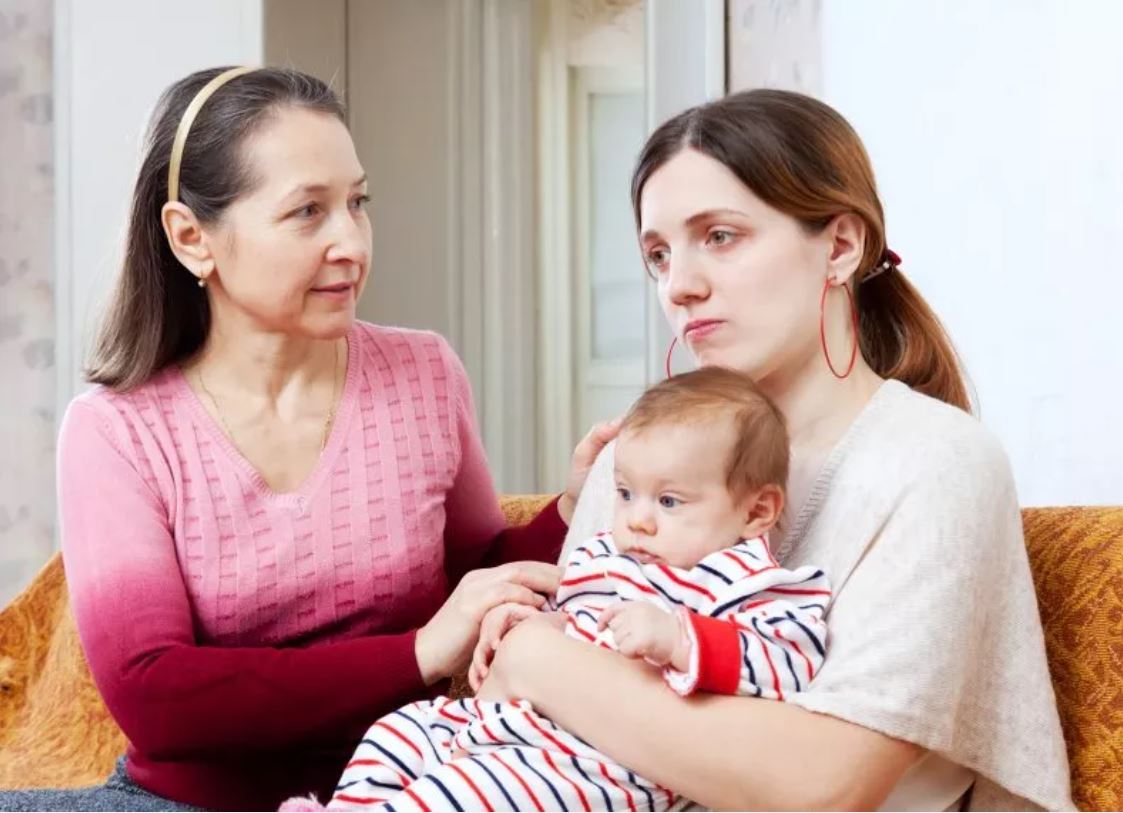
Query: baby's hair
{"x": 759, "y": 456}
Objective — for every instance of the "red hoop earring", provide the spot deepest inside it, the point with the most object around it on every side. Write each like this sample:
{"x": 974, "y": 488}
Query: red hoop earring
{"x": 670, "y": 350}
{"x": 823, "y": 330}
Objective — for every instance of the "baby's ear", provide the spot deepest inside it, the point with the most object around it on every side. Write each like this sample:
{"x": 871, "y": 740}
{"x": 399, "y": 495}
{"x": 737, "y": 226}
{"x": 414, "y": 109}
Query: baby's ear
{"x": 762, "y": 510}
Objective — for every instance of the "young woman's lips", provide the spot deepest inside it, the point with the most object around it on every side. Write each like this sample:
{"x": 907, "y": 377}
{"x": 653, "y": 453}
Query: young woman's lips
{"x": 701, "y": 329}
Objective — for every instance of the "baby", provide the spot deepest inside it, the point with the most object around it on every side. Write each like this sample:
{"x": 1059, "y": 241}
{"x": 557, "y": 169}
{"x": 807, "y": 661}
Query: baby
{"x": 685, "y": 581}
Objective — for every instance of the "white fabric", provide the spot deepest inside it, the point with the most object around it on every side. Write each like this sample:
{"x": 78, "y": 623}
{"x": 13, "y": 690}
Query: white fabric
{"x": 935, "y": 636}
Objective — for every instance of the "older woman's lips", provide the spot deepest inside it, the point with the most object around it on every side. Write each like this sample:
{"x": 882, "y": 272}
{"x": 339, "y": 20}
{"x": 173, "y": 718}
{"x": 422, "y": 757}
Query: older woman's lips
{"x": 341, "y": 290}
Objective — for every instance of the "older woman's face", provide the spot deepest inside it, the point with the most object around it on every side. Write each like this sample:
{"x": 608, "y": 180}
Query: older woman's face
{"x": 739, "y": 281}
{"x": 293, "y": 254}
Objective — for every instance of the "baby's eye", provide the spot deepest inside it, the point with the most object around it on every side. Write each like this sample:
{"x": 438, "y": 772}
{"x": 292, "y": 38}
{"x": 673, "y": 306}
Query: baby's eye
{"x": 668, "y": 501}
{"x": 624, "y": 494}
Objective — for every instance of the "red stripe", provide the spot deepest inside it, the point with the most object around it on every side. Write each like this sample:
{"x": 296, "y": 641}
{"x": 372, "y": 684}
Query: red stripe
{"x": 752, "y": 604}
{"x": 584, "y": 634}
{"x": 644, "y": 588}
{"x": 356, "y": 800}
{"x": 488, "y": 732}
{"x": 737, "y": 559}
{"x": 452, "y": 716}
{"x": 472, "y": 785}
{"x": 580, "y": 793}
{"x": 698, "y": 589}
{"x": 579, "y": 580}
{"x": 401, "y": 737}
{"x": 561, "y": 746}
{"x": 416, "y": 798}
{"x": 768, "y": 660}
{"x": 627, "y": 793}
{"x": 526, "y": 787}
{"x": 798, "y": 651}
{"x": 376, "y": 763}
{"x": 792, "y": 591}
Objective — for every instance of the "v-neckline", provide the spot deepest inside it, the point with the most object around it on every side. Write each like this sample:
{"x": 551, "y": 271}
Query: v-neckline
{"x": 328, "y": 455}
{"x": 821, "y": 484}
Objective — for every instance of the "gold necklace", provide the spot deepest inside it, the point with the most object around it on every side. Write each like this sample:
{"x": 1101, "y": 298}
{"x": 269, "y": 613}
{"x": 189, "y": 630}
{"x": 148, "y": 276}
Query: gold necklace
{"x": 327, "y": 421}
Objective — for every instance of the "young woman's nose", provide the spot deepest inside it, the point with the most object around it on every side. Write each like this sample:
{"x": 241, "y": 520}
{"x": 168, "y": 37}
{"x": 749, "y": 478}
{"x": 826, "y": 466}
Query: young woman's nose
{"x": 686, "y": 279}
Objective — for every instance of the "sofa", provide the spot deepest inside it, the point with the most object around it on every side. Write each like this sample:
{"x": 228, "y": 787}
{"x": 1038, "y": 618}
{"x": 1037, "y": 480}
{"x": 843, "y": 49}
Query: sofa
{"x": 56, "y": 732}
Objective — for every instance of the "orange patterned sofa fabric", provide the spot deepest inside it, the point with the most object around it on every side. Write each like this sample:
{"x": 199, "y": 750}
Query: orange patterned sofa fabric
{"x": 55, "y": 731}
{"x": 1077, "y": 559}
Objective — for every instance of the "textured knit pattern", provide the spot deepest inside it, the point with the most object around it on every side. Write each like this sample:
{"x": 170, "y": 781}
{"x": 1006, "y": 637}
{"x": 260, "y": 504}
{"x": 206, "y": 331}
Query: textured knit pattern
{"x": 199, "y": 592}
{"x": 756, "y": 629}
{"x": 915, "y": 517}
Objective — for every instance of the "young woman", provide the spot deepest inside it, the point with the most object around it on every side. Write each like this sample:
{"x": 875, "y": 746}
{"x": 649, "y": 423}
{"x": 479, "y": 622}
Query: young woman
{"x": 760, "y": 222}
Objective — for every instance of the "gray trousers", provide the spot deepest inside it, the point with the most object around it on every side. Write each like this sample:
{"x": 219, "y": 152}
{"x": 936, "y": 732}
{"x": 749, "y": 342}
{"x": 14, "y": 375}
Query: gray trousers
{"x": 118, "y": 793}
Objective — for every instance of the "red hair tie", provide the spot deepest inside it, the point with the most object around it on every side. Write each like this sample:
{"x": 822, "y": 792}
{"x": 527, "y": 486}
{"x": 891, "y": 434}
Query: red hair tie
{"x": 890, "y": 261}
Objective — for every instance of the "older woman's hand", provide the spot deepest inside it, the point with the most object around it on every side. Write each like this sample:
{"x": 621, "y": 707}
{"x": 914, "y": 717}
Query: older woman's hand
{"x": 514, "y": 654}
{"x": 444, "y": 645}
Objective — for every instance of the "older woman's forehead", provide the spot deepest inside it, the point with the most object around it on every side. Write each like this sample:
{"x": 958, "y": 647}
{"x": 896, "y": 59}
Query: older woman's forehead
{"x": 300, "y": 149}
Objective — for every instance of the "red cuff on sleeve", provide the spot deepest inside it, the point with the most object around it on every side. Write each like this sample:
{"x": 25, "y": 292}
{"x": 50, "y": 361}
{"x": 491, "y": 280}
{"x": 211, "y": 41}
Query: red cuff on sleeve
{"x": 719, "y": 655}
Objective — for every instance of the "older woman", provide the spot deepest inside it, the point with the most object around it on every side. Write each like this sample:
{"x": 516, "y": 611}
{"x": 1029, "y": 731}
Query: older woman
{"x": 265, "y": 503}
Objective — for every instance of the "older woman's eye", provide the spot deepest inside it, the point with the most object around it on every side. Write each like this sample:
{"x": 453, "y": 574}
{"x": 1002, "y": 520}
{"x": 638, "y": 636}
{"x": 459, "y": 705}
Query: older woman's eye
{"x": 307, "y": 210}
{"x": 360, "y": 201}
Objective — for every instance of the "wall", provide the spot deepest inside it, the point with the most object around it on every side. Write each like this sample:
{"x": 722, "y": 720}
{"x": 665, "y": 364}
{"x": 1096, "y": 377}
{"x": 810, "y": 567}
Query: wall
{"x": 994, "y": 130}
{"x": 27, "y": 408}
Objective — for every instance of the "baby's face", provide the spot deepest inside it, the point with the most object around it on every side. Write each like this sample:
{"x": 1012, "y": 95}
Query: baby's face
{"x": 672, "y": 503}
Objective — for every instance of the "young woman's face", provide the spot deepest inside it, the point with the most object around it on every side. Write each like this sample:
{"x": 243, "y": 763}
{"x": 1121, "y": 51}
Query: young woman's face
{"x": 293, "y": 254}
{"x": 739, "y": 281}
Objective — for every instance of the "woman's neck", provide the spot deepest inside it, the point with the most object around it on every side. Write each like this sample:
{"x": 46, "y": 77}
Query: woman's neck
{"x": 819, "y": 408}
{"x": 263, "y": 366}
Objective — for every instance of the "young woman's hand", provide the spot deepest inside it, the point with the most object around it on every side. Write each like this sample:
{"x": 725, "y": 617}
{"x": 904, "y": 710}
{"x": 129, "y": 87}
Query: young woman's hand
{"x": 444, "y": 645}
{"x": 584, "y": 456}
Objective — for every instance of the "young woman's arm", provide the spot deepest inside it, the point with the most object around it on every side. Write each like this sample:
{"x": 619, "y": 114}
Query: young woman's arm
{"x": 728, "y": 753}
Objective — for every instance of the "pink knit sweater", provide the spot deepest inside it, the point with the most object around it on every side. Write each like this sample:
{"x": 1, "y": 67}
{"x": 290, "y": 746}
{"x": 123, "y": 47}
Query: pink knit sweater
{"x": 242, "y": 638}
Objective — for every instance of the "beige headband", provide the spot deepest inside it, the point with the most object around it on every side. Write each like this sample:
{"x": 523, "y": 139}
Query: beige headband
{"x": 188, "y": 119}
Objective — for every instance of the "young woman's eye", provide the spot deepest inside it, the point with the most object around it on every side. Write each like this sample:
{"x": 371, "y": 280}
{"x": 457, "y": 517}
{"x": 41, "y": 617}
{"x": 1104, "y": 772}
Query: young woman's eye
{"x": 667, "y": 501}
{"x": 624, "y": 494}
{"x": 656, "y": 258}
{"x": 360, "y": 201}
{"x": 720, "y": 237}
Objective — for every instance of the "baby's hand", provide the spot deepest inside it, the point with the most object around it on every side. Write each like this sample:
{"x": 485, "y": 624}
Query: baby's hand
{"x": 497, "y": 622}
{"x": 642, "y": 630}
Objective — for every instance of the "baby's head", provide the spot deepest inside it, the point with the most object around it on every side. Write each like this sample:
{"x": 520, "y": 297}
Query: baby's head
{"x": 701, "y": 463}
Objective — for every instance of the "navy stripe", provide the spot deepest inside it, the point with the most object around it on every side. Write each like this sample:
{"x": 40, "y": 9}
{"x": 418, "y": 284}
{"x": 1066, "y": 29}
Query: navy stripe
{"x": 610, "y": 594}
{"x": 494, "y": 779}
{"x": 468, "y": 732}
{"x": 603, "y": 544}
{"x": 791, "y": 668}
{"x": 390, "y": 808}
{"x": 748, "y": 662}
{"x": 385, "y": 785}
{"x": 432, "y": 777}
{"x": 814, "y": 640}
{"x": 553, "y": 790}
{"x": 588, "y": 614}
{"x": 346, "y": 785}
{"x": 818, "y": 607}
{"x": 646, "y": 792}
{"x": 714, "y": 572}
{"x": 603, "y": 792}
{"x": 515, "y": 734}
{"x": 652, "y": 583}
{"x": 421, "y": 728}
{"x": 733, "y": 602}
{"x": 446, "y": 727}
{"x": 394, "y": 759}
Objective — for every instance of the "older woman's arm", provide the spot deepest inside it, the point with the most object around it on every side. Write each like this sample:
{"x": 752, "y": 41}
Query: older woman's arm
{"x": 728, "y": 753}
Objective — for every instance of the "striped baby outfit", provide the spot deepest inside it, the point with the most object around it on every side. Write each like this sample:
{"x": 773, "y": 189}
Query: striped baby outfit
{"x": 756, "y": 629}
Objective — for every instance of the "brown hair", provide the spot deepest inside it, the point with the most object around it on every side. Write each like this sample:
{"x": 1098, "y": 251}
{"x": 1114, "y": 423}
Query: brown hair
{"x": 760, "y": 453}
{"x": 801, "y": 157}
{"x": 157, "y": 314}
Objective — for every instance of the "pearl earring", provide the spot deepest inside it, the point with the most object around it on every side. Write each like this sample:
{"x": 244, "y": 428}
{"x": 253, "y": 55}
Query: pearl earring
{"x": 202, "y": 282}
